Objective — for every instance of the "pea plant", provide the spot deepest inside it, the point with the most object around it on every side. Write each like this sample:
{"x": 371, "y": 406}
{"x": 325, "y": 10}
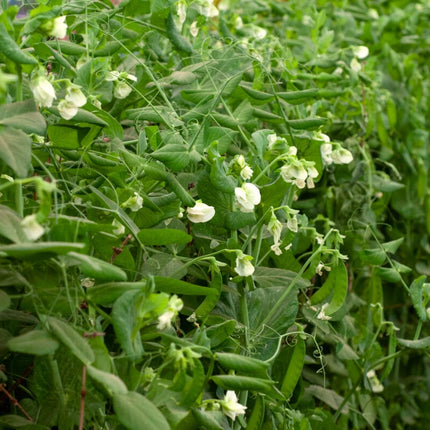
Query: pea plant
{"x": 214, "y": 214}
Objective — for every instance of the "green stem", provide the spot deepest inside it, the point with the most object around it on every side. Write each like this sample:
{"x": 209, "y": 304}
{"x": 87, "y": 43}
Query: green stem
{"x": 19, "y": 200}
{"x": 56, "y": 379}
{"x": 19, "y": 83}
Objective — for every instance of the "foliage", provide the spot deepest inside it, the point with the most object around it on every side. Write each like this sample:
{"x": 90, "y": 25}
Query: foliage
{"x": 214, "y": 215}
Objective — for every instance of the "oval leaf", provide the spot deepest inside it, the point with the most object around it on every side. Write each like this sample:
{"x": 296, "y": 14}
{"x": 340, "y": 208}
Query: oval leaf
{"x": 35, "y": 342}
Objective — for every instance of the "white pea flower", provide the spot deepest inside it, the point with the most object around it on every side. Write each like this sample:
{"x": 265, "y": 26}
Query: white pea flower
{"x": 258, "y": 32}
{"x": 293, "y": 224}
{"x": 75, "y": 95}
{"x": 238, "y": 23}
{"x": 56, "y": 27}
{"x": 87, "y": 282}
{"x": 67, "y": 109}
{"x": 194, "y": 30}
{"x": 375, "y": 383}
{"x": 292, "y": 150}
{"x": 174, "y": 306}
{"x": 275, "y": 228}
{"x": 31, "y": 228}
{"x": 355, "y": 65}
{"x": 119, "y": 228}
{"x": 244, "y": 266}
{"x": 373, "y": 13}
{"x": 134, "y": 203}
{"x": 207, "y": 8}
{"x": 361, "y": 52}
{"x": 182, "y": 12}
{"x": 247, "y": 196}
{"x": 245, "y": 171}
{"x": 326, "y": 150}
{"x": 341, "y": 156}
{"x": 112, "y": 75}
{"x": 43, "y": 91}
{"x": 121, "y": 90}
{"x": 231, "y": 407}
{"x": 322, "y": 316}
{"x": 276, "y": 249}
{"x": 321, "y": 137}
{"x": 200, "y": 212}
{"x": 271, "y": 139}
{"x": 294, "y": 173}
{"x": 312, "y": 174}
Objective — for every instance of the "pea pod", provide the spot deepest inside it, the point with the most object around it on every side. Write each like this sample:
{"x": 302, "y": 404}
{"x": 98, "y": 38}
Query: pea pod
{"x": 96, "y": 268}
{"x": 297, "y": 97}
{"x": 268, "y": 116}
{"x": 98, "y": 160}
{"x": 178, "y": 41}
{"x": 392, "y": 343}
{"x": 294, "y": 369}
{"x": 340, "y": 289}
{"x": 109, "y": 49}
{"x": 210, "y": 301}
{"x": 240, "y": 383}
{"x": 307, "y": 124}
{"x": 60, "y": 58}
{"x": 42, "y": 249}
{"x": 325, "y": 289}
{"x": 415, "y": 344}
{"x": 175, "y": 286}
{"x": 255, "y": 94}
{"x": 105, "y": 294}
{"x": 194, "y": 386}
{"x": 257, "y": 415}
{"x": 416, "y": 292}
{"x": 66, "y": 47}
{"x": 11, "y": 50}
{"x": 242, "y": 364}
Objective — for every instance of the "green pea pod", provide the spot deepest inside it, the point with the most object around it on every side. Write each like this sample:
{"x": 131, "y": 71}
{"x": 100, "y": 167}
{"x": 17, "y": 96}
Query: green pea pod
{"x": 66, "y": 47}
{"x": 242, "y": 364}
{"x": 96, "y": 268}
{"x": 98, "y": 160}
{"x": 392, "y": 343}
{"x": 109, "y": 49}
{"x": 268, "y": 116}
{"x": 178, "y": 41}
{"x": 218, "y": 333}
{"x": 297, "y": 97}
{"x": 105, "y": 294}
{"x": 416, "y": 292}
{"x": 415, "y": 344}
{"x": 240, "y": 383}
{"x": 225, "y": 120}
{"x": 325, "y": 289}
{"x": 194, "y": 386}
{"x": 255, "y": 94}
{"x": 340, "y": 289}
{"x": 42, "y": 249}
{"x": 307, "y": 124}
{"x": 60, "y": 58}
{"x": 210, "y": 302}
{"x": 257, "y": 415}
{"x": 175, "y": 286}
{"x": 11, "y": 50}
{"x": 294, "y": 370}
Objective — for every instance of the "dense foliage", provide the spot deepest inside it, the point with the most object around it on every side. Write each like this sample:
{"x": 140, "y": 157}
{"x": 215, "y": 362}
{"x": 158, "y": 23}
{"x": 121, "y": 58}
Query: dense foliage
{"x": 214, "y": 215}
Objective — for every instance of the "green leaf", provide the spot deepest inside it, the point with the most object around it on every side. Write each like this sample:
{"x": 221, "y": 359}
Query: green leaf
{"x": 136, "y": 412}
{"x": 393, "y": 246}
{"x": 109, "y": 381}
{"x": 4, "y": 301}
{"x": 35, "y": 342}
{"x": 16, "y": 421}
{"x": 23, "y": 116}
{"x": 389, "y": 274}
{"x": 156, "y": 114}
{"x": 41, "y": 249}
{"x": 11, "y": 50}
{"x": 165, "y": 236}
{"x": 10, "y": 225}
{"x": 416, "y": 292}
{"x": 272, "y": 277}
{"x": 72, "y": 339}
{"x": 329, "y": 397}
{"x": 375, "y": 256}
{"x": 96, "y": 268}
{"x": 174, "y": 156}
{"x": 15, "y": 150}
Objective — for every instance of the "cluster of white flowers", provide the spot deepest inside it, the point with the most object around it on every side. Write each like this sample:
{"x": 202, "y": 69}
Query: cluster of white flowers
{"x": 275, "y": 228}
{"x": 174, "y": 306}
{"x": 207, "y": 8}
{"x": 360, "y": 53}
{"x": 247, "y": 196}
{"x": 332, "y": 152}
{"x": 241, "y": 165}
{"x": 73, "y": 100}
{"x": 299, "y": 172}
{"x": 322, "y": 315}
{"x": 122, "y": 88}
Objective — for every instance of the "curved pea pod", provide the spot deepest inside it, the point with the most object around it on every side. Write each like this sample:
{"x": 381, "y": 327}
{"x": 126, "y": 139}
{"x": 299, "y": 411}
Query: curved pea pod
{"x": 242, "y": 364}
{"x": 297, "y": 97}
{"x": 11, "y": 50}
{"x": 392, "y": 343}
{"x": 109, "y": 49}
{"x": 325, "y": 289}
{"x": 255, "y": 94}
{"x": 210, "y": 301}
{"x": 107, "y": 293}
{"x": 307, "y": 124}
{"x": 96, "y": 268}
{"x": 98, "y": 160}
{"x": 340, "y": 289}
{"x": 257, "y": 415}
{"x": 218, "y": 333}
{"x": 294, "y": 370}
{"x": 194, "y": 386}
{"x": 42, "y": 249}
{"x": 175, "y": 286}
{"x": 266, "y": 115}
{"x": 241, "y": 383}
{"x": 178, "y": 41}
{"x": 415, "y": 344}
{"x": 66, "y": 47}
